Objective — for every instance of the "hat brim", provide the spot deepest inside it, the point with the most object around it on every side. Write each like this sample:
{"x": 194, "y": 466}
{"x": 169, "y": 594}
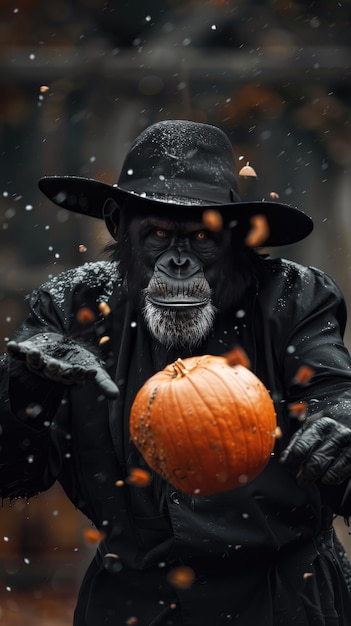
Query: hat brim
{"x": 287, "y": 224}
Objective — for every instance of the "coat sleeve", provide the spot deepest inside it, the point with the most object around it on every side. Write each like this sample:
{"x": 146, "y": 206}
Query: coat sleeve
{"x": 30, "y": 456}
{"x": 313, "y": 359}
{"x": 29, "y": 459}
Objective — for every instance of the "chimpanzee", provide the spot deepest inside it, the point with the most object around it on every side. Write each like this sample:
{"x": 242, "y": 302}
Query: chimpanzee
{"x": 183, "y": 277}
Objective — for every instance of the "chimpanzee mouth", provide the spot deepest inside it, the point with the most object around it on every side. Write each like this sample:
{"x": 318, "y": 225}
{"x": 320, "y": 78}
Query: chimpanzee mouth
{"x": 177, "y": 302}
{"x": 178, "y": 295}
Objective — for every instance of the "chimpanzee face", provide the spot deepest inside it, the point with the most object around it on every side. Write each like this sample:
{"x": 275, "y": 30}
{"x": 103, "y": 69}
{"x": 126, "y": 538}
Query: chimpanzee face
{"x": 180, "y": 274}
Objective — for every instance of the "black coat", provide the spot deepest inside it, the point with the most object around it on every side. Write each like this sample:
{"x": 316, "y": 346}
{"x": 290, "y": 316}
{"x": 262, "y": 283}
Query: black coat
{"x": 262, "y": 554}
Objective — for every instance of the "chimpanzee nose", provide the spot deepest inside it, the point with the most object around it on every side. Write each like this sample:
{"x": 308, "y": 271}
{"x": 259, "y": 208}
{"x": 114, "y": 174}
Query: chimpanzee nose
{"x": 178, "y": 264}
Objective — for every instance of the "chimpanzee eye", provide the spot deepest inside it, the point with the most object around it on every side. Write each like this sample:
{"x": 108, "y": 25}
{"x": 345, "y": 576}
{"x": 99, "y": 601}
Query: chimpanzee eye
{"x": 201, "y": 235}
{"x": 159, "y": 232}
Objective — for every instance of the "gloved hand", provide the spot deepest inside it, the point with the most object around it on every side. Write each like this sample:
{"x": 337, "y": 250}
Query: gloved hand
{"x": 320, "y": 450}
{"x": 62, "y": 360}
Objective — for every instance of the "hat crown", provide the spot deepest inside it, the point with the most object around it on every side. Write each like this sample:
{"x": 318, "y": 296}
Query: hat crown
{"x": 172, "y": 166}
{"x": 181, "y": 158}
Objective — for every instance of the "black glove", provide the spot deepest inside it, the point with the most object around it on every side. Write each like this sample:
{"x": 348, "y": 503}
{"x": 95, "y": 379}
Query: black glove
{"x": 320, "y": 450}
{"x": 62, "y": 360}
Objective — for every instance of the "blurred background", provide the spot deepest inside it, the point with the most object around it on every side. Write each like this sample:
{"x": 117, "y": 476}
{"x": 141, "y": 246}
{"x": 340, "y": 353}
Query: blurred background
{"x": 79, "y": 79}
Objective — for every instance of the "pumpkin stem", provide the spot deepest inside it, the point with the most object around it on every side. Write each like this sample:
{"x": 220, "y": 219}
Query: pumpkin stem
{"x": 180, "y": 368}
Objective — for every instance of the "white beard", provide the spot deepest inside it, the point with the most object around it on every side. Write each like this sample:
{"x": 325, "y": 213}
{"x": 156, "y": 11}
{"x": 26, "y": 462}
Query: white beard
{"x": 174, "y": 328}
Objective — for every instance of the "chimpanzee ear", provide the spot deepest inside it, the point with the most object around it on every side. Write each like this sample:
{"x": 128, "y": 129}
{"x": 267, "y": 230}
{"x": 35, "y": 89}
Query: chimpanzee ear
{"x": 110, "y": 213}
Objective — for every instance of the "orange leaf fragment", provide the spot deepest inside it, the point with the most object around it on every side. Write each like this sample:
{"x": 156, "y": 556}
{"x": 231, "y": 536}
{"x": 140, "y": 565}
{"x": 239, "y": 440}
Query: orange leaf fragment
{"x": 104, "y": 339}
{"x": 212, "y": 219}
{"x": 259, "y": 231}
{"x": 92, "y": 535}
{"x": 303, "y": 375}
{"x": 278, "y": 433}
{"x": 85, "y": 316}
{"x": 119, "y": 483}
{"x": 237, "y": 356}
{"x": 139, "y": 477}
{"x": 298, "y": 409}
{"x": 104, "y": 308}
{"x": 181, "y": 577}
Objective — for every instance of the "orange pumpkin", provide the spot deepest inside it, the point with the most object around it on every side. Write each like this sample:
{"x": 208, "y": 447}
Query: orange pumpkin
{"x": 204, "y": 425}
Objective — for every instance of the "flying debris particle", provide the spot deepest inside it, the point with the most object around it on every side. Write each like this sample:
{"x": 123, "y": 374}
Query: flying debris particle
{"x": 212, "y": 220}
{"x": 298, "y": 410}
{"x": 32, "y": 57}
{"x": 92, "y": 535}
{"x": 181, "y": 577}
{"x": 33, "y": 410}
{"x": 28, "y": 207}
{"x": 139, "y": 477}
{"x": 243, "y": 479}
{"x": 44, "y": 88}
{"x": 274, "y": 195}
{"x": 85, "y": 316}
{"x": 303, "y": 375}
{"x": 237, "y": 356}
{"x": 278, "y": 433}
{"x": 132, "y": 620}
{"x": 104, "y": 339}
{"x": 119, "y": 483}
{"x": 247, "y": 170}
{"x": 314, "y": 22}
{"x": 104, "y": 309}
{"x": 82, "y": 248}
{"x": 259, "y": 231}
{"x": 307, "y": 575}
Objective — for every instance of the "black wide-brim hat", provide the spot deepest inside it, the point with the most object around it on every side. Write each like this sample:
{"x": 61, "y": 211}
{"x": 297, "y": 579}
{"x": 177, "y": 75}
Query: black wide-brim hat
{"x": 179, "y": 166}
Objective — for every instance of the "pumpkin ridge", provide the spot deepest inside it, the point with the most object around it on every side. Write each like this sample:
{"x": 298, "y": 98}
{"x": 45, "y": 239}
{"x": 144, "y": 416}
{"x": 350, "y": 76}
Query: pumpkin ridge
{"x": 227, "y": 458}
{"x": 244, "y": 393}
{"x": 242, "y": 420}
{"x": 263, "y": 441}
{"x": 185, "y": 424}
